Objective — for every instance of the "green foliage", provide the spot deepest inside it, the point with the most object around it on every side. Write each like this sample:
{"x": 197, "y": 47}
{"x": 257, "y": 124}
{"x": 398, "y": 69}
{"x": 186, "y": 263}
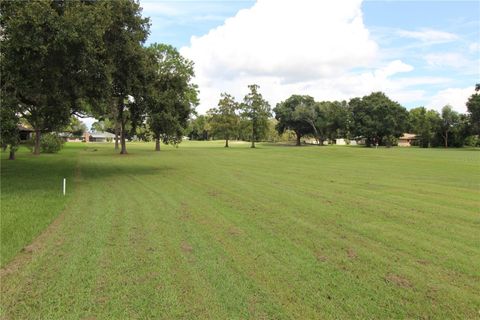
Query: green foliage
{"x": 51, "y": 143}
{"x": 472, "y": 141}
{"x": 376, "y": 117}
{"x": 425, "y": 124}
{"x": 337, "y": 119}
{"x": 9, "y": 134}
{"x": 257, "y": 111}
{"x": 473, "y": 107}
{"x": 172, "y": 97}
{"x": 449, "y": 120}
{"x": 51, "y": 59}
{"x": 76, "y": 127}
{"x": 199, "y": 128}
{"x": 289, "y": 118}
{"x": 143, "y": 133}
{"x": 106, "y": 125}
{"x": 225, "y": 119}
{"x": 128, "y": 64}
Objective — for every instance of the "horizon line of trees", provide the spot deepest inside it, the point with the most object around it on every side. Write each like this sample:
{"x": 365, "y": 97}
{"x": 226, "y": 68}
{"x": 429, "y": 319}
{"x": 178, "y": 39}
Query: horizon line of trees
{"x": 88, "y": 58}
{"x": 375, "y": 118}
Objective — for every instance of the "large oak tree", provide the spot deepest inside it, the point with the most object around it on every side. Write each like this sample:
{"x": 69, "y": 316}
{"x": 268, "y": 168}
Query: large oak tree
{"x": 172, "y": 96}
{"x": 378, "y": 119}
{"x": 127, "y": 62}
{"x": 290, "y": 116}
{"x": 52, "y": 60}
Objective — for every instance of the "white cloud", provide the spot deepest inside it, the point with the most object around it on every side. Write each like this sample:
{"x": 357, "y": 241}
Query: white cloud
{"x": 447, "y": 59}
{"x": 283, "y": 46}
{"x": 456, "y": 97}
{"x": 474, "y": 47}
{"x": 319, "y": 48}
{"x": 392, "y": 68}
{"x": 429, "y": 35}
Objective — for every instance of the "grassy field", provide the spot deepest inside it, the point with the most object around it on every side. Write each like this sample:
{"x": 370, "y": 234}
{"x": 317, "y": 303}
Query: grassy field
{"x": 276, "y": 232}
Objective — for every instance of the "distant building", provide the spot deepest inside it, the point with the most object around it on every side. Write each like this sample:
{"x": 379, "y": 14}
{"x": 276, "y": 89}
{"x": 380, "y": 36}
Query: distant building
{"x": 98, "y": 137}
{"x": 69, "y": 137}
{"x": 24, "y": 132}
{"x": 407, "y": 140}
{"x": 345, "y": 142}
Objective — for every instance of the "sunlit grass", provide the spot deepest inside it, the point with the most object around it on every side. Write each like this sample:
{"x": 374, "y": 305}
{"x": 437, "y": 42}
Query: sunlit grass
{"x": 276, "y": 232}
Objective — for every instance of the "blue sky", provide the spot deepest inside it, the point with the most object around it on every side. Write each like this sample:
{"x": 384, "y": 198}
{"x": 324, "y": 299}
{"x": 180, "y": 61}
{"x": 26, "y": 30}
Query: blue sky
{"x": 418, "y": 52}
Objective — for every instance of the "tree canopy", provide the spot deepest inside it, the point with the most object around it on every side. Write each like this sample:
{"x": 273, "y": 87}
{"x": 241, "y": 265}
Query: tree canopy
{"x": 172, "y": 97}
{"x": 473, "y": 108}
{"x": 257, "y": 110}
{"x": 51, "y": 53}
{"x": 378, "y": 119}
{"x": 290, "y": 118}
{"x": 225, "y": 119}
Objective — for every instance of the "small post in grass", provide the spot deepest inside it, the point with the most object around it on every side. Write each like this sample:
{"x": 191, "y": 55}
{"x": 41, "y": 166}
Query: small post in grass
{"x": 64, "y": 185}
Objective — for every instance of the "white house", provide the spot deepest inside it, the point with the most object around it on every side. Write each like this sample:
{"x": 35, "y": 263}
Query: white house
{"x": 344, "y": 142}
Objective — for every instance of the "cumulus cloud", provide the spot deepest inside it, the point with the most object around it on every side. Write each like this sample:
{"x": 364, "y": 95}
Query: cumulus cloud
{"x": 285, "y": 44}
{"x": 456, "y": 97}
{"x": 287, "y": 39}
{"x": 319, "y": 48}
{"x": 429, "y": 35}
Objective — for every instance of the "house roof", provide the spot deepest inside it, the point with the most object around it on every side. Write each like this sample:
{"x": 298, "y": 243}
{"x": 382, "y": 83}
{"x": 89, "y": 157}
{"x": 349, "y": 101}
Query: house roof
{"x": 101, "y": 135}
{"x": 23, "y": 128}
{"x": 409, "y": 136}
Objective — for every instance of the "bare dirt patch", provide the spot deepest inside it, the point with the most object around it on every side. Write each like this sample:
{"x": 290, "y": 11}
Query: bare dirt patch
{"x": 185, "y": 217}
{"x": 186, "y": 247}
{"x": 234, "y": 231}
{"x": 423, "y": 262}
{"x": 398, "y": 280}
{"x": 320, "y": 256}
{"x": 214, "y": 193}
{"x": 351, "y": 254}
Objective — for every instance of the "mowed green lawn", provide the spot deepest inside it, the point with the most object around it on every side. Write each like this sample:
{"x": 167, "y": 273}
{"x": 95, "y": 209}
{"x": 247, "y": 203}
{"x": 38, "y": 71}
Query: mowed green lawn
{"x": 205, "y": 232}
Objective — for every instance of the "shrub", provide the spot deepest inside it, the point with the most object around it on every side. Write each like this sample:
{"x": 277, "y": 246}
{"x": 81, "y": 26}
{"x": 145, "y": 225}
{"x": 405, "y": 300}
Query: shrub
{"x": 472, "y": 141}
{"x": 50, "y": 143}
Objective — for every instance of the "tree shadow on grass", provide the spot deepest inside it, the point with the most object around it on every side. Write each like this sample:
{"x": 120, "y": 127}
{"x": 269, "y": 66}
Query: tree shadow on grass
{"x": 286, "y": 144}
{"x": 45, "y": 174}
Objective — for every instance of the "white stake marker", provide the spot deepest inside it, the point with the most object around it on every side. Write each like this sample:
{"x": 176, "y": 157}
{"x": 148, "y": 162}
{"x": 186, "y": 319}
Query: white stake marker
{"x": 64, "y": 185}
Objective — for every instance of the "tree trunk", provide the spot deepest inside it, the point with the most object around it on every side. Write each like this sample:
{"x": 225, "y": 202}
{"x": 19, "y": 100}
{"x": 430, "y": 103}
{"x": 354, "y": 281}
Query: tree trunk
{"x": 36, "y": 149}
{"x": 122, "y": 132}
{"x": 298, "y": 139}
{"x": 445, "y": 137}
{"x": 253, "y": 135}
{"x": 122, "y": 140}
{"x": 226, "y": 142}
{"x": 317, "y": 135}
{"x": 157, "y": 143}
{"x": 116, "y": 135}
{"x": 12, "y": 154}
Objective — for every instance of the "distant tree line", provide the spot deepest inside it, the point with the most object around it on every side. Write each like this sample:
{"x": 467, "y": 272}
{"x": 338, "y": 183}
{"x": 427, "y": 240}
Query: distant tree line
{"x": 61, "y": 59}
{"x": 375, "y": 118}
